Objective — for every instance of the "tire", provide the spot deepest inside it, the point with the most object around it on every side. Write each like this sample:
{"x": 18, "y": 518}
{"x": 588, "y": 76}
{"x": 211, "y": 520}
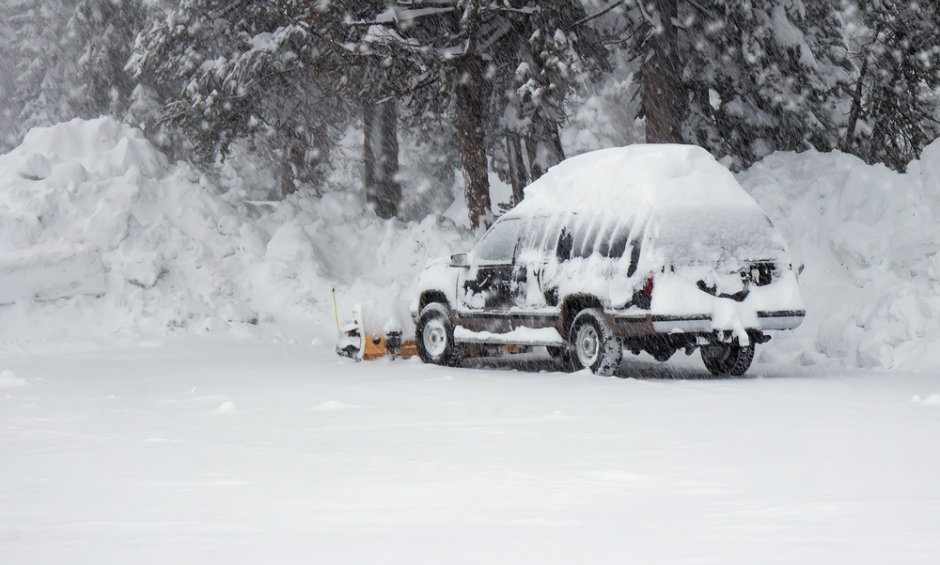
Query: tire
{"x": 435, "y": 336}
{"x": 727, "y": 359}
{"x": 593, "y": 344}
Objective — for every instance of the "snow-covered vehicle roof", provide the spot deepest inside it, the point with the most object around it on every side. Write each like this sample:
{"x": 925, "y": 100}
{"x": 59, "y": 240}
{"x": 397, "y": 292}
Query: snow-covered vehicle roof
{"x": 679, "y": 195}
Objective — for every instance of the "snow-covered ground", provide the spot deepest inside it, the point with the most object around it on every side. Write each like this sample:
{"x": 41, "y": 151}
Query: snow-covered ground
{"x": 159, "y": 402}
{"x": 222, "y": 451}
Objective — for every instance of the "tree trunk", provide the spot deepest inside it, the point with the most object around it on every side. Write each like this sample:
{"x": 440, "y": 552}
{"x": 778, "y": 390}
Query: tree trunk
{"x": 470, "y": 114}
{"x": 543, "y": 147}
{"x": 856, "y": 111}
{"x": 469, "y": 123}
{"x": 286, "y": 178}
{"x": 389, "y": 200}
{"x": 368, "y": 144}
{"x": 518, "y": 177}
{"x": 665, "y": 101}
{"x": 380, "y": 158}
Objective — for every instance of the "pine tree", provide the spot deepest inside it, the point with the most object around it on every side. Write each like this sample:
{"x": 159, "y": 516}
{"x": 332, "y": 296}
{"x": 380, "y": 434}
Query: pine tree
{"x": 102, "y": 33}
{"x": 503, "y": 71}
{"x": 665, "y": 91}
{"x": 65, "y": 58}
{"x": 895, "y": 99}
{"x": 741, "y": 79}
{"x": 229, "y": 71}
{"x": 372, "y": 81}
{"x": 547, "y": 60}
{"x": 7, "y": 84}
{"x": 42, "y": 86}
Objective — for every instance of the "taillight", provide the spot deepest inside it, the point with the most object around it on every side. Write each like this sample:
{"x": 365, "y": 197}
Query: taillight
{"x": 648, "y": 287}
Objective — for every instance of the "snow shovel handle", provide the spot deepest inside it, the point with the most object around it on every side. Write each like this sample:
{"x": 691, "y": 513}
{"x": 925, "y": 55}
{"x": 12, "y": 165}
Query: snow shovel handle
{"x": 335, "y": 311}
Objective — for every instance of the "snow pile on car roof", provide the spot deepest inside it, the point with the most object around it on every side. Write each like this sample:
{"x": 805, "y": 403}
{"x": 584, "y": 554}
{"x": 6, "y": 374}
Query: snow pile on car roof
{"x": 101, "y": 236}
{"x": 870, "y": 240}
{"x": 692, "y": 205}
{"x": 637, "y": 177}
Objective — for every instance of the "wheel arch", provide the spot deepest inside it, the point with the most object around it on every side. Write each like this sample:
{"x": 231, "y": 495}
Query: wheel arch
{"x": 430, "y": 297}
{"x": 574, "y": 304}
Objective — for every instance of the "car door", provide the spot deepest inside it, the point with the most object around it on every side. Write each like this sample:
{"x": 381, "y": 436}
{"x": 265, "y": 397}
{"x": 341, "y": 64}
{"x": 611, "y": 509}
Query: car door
{"x": 485, "y": 290}
{"x": 533, "y": 288}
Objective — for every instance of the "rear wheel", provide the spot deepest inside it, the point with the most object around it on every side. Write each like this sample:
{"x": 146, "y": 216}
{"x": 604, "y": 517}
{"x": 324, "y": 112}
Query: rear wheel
{"x": 593, "y": 344}
{"x": 727, "y": 359}
{"x": 435, "y": 336}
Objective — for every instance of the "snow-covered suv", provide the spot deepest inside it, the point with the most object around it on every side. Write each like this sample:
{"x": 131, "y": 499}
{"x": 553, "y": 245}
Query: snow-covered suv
{"x": 650, "y": 248}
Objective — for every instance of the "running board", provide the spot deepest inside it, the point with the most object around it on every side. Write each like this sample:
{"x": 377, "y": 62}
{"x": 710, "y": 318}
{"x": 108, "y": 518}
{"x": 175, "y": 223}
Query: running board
{"x": 520, "y": 336}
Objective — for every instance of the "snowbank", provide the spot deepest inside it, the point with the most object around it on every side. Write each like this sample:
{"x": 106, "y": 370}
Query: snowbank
{"x": 101, "y": 236}
{"x": 870, "y": 242}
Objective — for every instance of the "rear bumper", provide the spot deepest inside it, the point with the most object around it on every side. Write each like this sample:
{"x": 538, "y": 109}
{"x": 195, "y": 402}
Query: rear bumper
{"x": 766, "y": 321}
{"x": 781, "y": 319}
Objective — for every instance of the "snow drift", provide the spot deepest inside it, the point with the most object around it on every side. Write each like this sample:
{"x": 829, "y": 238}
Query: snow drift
{"x": 870, "y": 241}
{"x": 100, "y": 235}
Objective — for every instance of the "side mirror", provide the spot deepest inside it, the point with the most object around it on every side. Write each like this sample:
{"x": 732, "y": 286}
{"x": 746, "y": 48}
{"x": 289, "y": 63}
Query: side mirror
{"x": 459, "y": 260}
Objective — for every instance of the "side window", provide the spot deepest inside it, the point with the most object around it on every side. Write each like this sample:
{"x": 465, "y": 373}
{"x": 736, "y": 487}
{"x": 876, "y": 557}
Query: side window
{"x": 585, "y": 238}
{"x": 621, "y": 244}
{"x": 498, "y": 244}
{"x": 618, "y": 244}
{"x": 634, "y": 258}
{"x": 565, "y": 243}
{"x": 539, "y": 237}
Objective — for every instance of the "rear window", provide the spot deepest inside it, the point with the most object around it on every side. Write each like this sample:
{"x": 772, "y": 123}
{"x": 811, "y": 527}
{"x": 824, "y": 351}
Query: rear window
{"x": 714, "y": 235}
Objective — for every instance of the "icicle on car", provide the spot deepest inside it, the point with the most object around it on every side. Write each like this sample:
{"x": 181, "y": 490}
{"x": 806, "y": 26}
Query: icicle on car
{"x": 646, "y": 248}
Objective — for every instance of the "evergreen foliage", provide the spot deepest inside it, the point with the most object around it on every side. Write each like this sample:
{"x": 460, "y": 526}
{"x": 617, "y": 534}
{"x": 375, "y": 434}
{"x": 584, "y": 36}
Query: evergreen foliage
{"x": 41, "y": 89}
{"x": 485, "y": 85}
{"x": 244, "y": 70}
{"x": 102, "y": 33}
{"x": 894, "y": 107}
{"x": 749, "y": 78}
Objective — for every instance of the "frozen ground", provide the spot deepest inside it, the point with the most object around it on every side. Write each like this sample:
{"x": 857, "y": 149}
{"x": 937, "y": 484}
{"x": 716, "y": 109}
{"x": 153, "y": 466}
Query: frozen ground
{"x": 213, "y": 451}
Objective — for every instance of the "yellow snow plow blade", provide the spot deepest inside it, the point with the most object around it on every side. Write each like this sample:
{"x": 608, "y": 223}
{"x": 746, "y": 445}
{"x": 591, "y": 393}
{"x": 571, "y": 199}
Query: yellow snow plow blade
{"x": 391, "y": 345}
{"x": 356, "y": 344}
{"x": 375, "y": 346}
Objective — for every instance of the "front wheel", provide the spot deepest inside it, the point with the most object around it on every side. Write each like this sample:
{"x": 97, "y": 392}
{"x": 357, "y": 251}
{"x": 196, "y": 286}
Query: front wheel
{"x": 727, "y": 359}
{"x": 434, "y": 335}
{"x": 593, "y": 343}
